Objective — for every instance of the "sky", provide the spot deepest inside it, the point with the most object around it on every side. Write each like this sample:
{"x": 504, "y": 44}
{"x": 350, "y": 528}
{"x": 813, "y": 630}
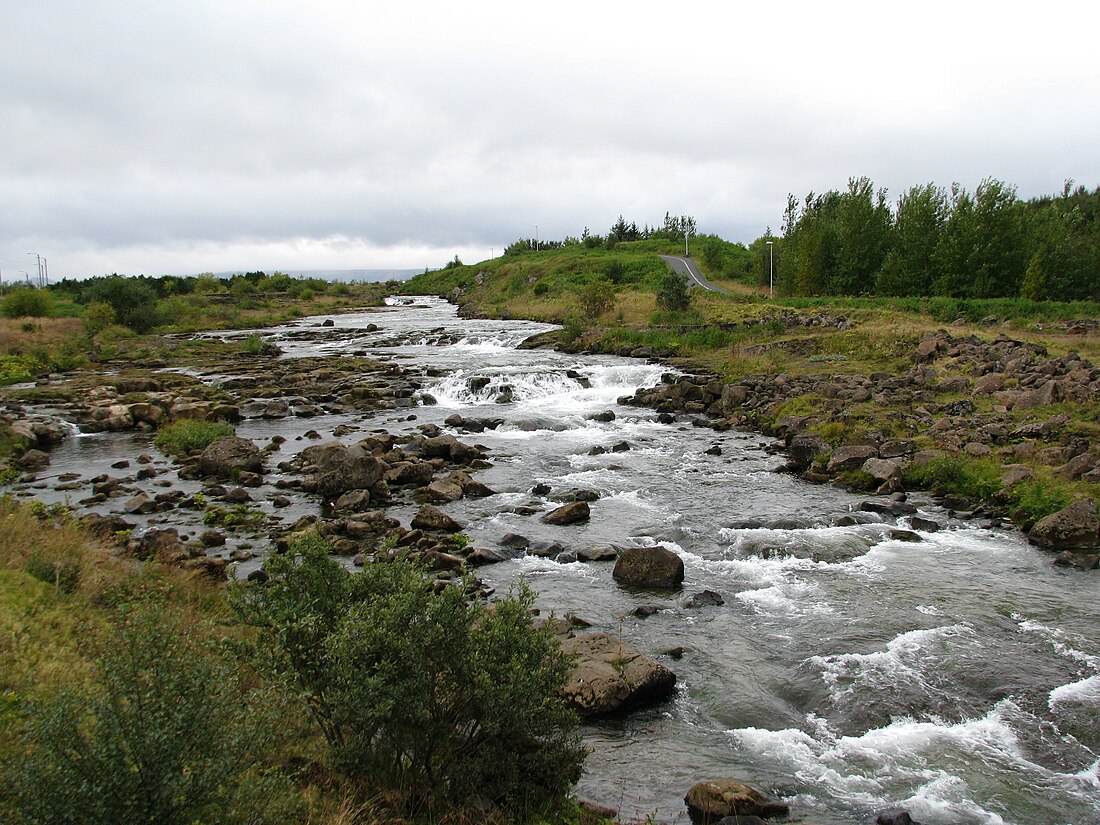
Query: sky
{"x": 144, "y": 136}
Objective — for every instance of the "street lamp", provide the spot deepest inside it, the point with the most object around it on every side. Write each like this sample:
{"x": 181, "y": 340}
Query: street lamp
{"x": 536, "y": 237}
{"x": 771, "y": 269}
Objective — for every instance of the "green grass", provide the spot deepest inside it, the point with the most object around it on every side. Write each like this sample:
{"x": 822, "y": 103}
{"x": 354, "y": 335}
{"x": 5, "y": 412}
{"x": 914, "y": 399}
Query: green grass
{"x": 975, "y": 479}
{"x": 189, "y": 436}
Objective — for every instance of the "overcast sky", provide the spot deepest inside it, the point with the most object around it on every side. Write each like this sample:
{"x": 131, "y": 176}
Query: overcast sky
{"x": 143, "y": 136}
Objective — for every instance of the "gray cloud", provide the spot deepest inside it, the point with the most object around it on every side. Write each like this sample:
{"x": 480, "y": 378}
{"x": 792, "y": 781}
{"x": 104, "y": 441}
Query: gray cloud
{"x": 142, "y": 136}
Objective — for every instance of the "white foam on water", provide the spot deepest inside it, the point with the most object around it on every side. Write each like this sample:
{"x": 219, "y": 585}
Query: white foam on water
{"x": 1086, "y": 691}
{"x": 921, "y": 765}
{"x": 791, "y": 598}
{"x": 905, "y": 661}
{"x": 1059, "y": 640}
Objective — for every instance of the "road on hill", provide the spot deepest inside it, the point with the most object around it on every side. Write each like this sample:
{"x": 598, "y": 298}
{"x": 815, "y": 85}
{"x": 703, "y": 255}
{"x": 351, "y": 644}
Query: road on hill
{"x": 686, "y": 266}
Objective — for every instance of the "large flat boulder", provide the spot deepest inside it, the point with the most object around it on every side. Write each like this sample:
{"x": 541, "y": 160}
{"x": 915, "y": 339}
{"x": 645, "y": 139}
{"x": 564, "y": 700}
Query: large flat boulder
{"x": 610, "y": 677}
{"x": 709, "y": 802}
{"x": 655, "y": 567}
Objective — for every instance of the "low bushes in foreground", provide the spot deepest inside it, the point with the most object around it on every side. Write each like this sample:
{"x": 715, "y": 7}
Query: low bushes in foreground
{"x": 422, "y": 695}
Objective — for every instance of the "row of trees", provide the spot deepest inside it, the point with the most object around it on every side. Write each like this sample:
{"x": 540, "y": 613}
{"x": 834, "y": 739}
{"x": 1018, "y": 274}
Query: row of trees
{"x": 674, "y": 228}
{"x": 934, "y": 241}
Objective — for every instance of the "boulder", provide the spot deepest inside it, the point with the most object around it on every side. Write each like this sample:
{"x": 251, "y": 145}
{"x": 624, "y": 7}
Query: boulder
{"x": 709, "y": 802}
{"x": 1075, "y": 527}
{"x": 340, "y": 468}
{"x": 850, "y": 457}
{"x": 444, "y": 490}
{"x": 882, "y": 469}
{"x": 599, "y": 552}
{"x": 656, "y": 567}
{"x": 572, "y": 513}
{"x": 609, "y": 677}
{"x": 228, "y": 455}
{"x": 432, "y": 518}
{"x": 140, "y": 504}
{"x": 705, "y": 598}
{"x": 33, "y": 459}
{"x": 803, "y": 449}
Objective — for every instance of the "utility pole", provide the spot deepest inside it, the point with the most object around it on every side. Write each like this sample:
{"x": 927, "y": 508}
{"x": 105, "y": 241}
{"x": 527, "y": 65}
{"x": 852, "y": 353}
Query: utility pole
{"x": 771, "y": 269}
{"x": 38, "y": 258}
{"x": 536, "y": 237}
{"x": 46, "y": 270}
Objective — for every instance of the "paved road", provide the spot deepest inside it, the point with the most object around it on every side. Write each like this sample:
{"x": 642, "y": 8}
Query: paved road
{"x": 686, "y": 266}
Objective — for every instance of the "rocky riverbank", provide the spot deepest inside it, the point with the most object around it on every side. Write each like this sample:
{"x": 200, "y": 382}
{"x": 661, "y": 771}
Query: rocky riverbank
{"x": 961, "y": 399}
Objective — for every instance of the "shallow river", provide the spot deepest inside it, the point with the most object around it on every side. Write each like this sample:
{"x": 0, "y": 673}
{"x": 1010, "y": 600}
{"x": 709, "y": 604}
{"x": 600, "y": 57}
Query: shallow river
{"x": 957, "y": 678}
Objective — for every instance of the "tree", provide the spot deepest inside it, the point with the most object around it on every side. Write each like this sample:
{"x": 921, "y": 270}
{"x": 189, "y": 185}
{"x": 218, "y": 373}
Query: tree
{"x": 421, "y": 693}
{"x": 132, "y": 300}
{"x": 909, "y": 266}
{"x": 863, "y": 225}
{"x": 167, "y": 733}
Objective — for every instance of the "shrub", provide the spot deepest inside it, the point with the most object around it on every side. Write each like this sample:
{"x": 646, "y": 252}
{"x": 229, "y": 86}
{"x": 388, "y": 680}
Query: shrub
{"x": 673, "y": 293}
{"x": 1036, "y": 498}
{"x": 252, "y": 345}
{"x": 64, "y": 575}
{"x": 972, "y": 479}
{"x": 421, "y": 695}
{"x": 26, "y": 302}
{"x": 98, "y": 316}
{"x": 596, "y": 297}
{"x": 188, "y": 436}
{"x": 133, "y": 302}
{"x": 166, "y": 733}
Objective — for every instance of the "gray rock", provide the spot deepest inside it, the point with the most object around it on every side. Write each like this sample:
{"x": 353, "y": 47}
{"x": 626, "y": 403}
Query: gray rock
{"x": 599, "y": 552}
{"x": 1075, "y": 527}
{"x": 709, "y": 802}
{"x": 140, "y": 504}
{"x": 228, "y": 455}
{"x": 704, "y": 598}
{"x": 655, "y": 567}
{"x": 573, "y": 513}
{"x": 432, "y": 518}
{"x": 610, "y": 677}
{"x": 850, "y": 457}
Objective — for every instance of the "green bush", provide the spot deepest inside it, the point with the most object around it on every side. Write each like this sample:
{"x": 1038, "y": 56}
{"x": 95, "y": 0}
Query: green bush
{"x": 133, "y": 301}
{"x": 188, "y": 436}
{"x": 167, "y": 733}
{"x": 97, "y": 317}
{"x": 25, "y": 301}
{"x": 673, "y": 293}
{"x": 1036, "y": 498}
{"x": 422, "y": 696}
{"x": 973, "y": 479}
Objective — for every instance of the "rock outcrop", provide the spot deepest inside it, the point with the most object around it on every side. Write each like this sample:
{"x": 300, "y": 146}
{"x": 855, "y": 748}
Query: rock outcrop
{"x": 610, "y": 677}
{"x": 654, "y": 567}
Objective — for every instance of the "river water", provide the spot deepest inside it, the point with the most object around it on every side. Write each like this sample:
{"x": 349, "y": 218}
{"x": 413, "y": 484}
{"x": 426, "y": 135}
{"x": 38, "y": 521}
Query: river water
{"x": 957, "y": 677}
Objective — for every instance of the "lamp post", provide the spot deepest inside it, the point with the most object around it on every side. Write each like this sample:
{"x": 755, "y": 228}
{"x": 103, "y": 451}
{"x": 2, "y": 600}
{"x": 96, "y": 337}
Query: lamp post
{"x": 771, "y": 269}
{"x": 536, "y": 237}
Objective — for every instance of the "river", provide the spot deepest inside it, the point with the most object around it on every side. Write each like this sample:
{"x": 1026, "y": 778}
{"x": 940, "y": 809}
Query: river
{"x": 850, "y": 672}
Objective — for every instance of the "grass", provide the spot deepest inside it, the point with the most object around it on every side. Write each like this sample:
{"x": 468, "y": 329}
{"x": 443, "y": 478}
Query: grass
{"x": 189, "y": 436}
{"x": 973, "y": 479}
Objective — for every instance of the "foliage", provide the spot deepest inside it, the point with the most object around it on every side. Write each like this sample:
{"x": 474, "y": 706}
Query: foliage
{"x": 1036, "y": 498}
{"x": 133, "y": 301}
{"x": 64, "y": 574}
{"x": 596, "y": 297}
{"x": 673, "y": 294}
{"x": 98, "y": 316}
{"x": 988, "y": 244}
{"x": 25, "y": 301}
{"x": 971, "y": 478}
{"x": 419, "y": 694}
{"x": 188, "y": 436}
{"x": 166, "y": 733}
{"x": 238, "y": 516}
{"x": 252, "y": 345}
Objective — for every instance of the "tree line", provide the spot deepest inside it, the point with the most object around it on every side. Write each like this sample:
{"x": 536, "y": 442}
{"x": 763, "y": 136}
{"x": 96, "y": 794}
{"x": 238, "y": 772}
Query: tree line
{"x": 940, "y": 242}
